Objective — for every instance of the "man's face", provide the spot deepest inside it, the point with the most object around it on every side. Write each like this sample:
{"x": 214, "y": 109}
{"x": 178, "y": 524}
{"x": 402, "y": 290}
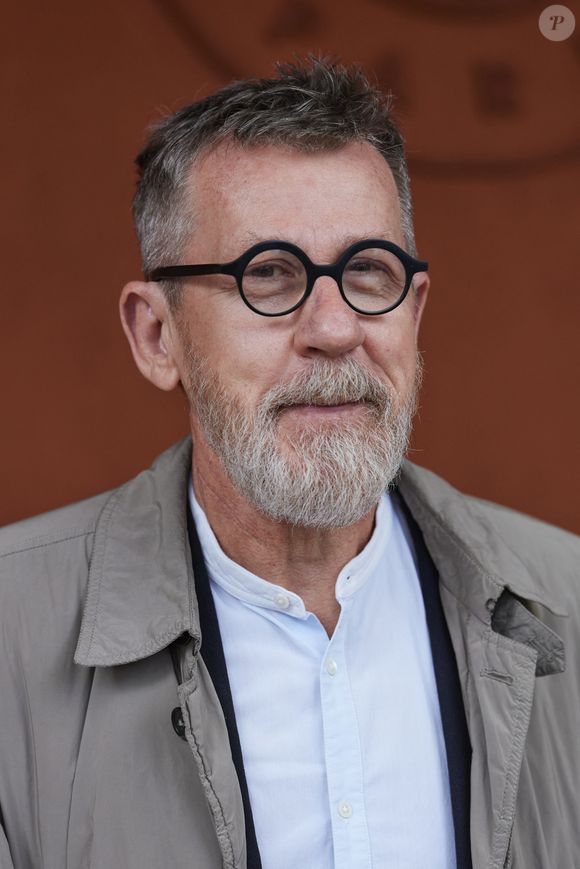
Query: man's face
{"x": 246, "y": 376}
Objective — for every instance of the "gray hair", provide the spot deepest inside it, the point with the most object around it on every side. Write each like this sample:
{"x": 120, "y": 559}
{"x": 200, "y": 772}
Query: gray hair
{"x": 313, "y": 105}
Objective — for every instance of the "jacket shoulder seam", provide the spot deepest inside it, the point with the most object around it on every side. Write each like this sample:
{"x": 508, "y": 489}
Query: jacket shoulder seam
{"x": 41, "y": 542}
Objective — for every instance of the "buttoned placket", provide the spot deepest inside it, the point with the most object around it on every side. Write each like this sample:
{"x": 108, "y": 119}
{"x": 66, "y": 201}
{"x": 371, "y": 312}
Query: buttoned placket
{"x": 343, "y": 756}
{"x": 343, "y": 753}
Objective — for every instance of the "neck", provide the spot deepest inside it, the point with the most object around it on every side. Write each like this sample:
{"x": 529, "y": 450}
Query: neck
{"x": 305, "y": 561}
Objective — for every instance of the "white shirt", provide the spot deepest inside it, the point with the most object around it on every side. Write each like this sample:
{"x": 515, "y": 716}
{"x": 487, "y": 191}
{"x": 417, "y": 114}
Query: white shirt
{"x": 342, "y": 740}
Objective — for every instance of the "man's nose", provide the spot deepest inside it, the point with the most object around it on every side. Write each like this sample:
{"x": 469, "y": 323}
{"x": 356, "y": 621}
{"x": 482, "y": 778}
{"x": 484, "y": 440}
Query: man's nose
{"x": 326, "y": 323}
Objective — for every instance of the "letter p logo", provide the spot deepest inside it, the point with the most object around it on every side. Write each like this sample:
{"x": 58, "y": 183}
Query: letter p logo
{"x": 557, "y": 23}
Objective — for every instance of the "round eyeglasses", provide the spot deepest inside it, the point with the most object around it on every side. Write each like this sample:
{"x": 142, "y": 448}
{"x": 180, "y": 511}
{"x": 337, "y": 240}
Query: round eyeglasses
{"x": 276, "y": 277}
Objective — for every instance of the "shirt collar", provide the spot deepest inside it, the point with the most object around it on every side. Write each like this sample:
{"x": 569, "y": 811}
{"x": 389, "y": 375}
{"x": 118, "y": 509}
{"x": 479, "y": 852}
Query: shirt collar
{"x": 255, "y": 590}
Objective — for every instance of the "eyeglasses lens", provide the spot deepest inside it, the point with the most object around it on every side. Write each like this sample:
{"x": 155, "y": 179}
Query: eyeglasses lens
{"x": 374, "y": 279}
{"x": 274, "y": 281}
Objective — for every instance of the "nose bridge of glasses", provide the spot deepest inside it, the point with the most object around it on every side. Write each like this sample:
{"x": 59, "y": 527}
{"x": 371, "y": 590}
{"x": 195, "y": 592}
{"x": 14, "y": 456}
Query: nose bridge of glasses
{"x": 332, "y": 270}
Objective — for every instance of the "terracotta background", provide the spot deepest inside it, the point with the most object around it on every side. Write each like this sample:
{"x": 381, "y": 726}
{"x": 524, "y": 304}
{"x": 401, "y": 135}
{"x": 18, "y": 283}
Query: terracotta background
{"x": 491, "y": 113}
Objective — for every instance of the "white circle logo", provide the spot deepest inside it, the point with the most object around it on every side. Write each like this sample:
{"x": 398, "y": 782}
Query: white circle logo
{"x": 557, "y": 23}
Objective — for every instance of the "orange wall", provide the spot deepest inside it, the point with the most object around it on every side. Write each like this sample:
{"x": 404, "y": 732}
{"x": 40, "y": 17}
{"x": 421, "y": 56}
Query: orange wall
{"x": 490, "y": 109}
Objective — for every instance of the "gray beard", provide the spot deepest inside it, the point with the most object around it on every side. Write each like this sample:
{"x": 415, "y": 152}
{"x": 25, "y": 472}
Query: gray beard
{"x": 325, "y": 474}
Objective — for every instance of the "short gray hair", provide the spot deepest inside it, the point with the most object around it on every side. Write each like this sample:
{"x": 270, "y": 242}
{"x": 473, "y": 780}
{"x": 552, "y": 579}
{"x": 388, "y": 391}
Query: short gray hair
{"x": 312, "y": 105}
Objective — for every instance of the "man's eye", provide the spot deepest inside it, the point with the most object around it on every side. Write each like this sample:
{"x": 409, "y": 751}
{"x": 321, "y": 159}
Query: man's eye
{"x": 272, "y": 270}
{"x": 364, "y": 265}
{"x": 264, "y": 270}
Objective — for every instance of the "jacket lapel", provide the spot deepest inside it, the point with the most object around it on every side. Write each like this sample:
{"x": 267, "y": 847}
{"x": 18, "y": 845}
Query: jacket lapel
{"x": 500, "y": 648}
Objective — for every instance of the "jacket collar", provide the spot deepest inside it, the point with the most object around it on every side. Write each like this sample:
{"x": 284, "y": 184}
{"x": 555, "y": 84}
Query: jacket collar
{"x": 141, "y": 590}
{"x": 471, "y": 545}
{"x": 467, "y": 536}
{"x": 141, "y": 593}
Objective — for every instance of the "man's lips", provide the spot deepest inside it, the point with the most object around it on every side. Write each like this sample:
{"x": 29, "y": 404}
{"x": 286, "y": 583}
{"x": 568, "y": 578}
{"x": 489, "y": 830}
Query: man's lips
{"x": 317, "y": 410}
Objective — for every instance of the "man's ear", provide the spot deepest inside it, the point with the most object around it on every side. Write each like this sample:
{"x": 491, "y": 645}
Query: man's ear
{"x": 151, "y": 332}
{"x": 419, "y": 292}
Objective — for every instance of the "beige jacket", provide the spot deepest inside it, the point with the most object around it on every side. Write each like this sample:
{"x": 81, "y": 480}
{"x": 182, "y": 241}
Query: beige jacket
{"x": 92, "y": 773}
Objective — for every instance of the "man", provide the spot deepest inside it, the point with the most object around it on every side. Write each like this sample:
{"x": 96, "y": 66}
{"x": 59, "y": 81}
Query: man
{"x": 283, "y": 645}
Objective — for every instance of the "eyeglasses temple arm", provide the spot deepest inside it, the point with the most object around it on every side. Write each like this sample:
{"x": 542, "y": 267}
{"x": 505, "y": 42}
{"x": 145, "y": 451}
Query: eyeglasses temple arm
{"x": 167, "y": 272}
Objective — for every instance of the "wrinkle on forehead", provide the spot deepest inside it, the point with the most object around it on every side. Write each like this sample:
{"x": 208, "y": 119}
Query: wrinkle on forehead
{"x": 242, "y": 196}
{"x": 220, "y": 163}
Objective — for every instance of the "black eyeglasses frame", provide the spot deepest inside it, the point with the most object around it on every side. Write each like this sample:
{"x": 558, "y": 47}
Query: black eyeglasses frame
{"x": 335, "y": 270}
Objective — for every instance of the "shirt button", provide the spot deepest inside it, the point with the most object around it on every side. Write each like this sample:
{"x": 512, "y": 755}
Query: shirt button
{"x": 331, "y": 666}
{"x": 345, "y": 809}
{"x": 282, "y": 601}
